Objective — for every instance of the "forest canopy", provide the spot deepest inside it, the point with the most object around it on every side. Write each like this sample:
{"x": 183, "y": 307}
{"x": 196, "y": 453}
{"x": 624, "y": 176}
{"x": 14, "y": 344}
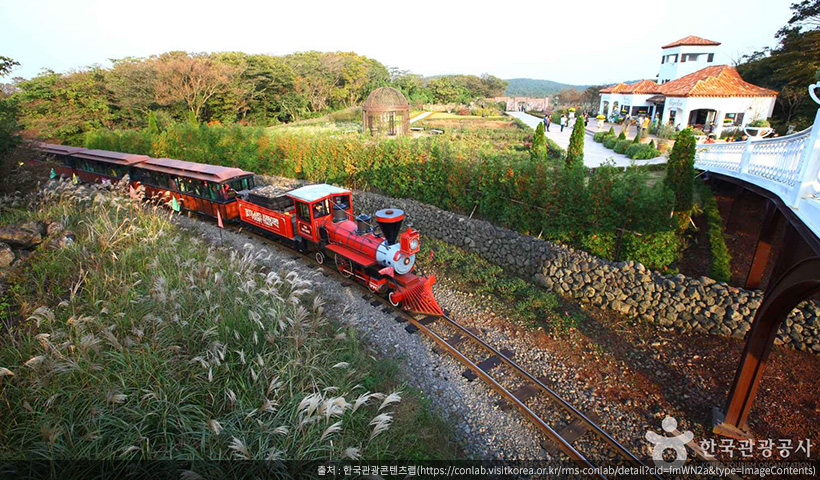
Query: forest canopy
{"x": 226, "y": 87}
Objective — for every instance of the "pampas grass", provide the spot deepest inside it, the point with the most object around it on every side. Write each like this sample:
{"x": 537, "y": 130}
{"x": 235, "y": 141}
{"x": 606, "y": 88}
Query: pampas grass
{"x": 169, "y": 348}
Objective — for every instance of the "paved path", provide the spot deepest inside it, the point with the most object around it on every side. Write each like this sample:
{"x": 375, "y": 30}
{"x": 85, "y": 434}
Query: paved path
{"x": 420, "y": 116}
{"x": 595, "y": 154}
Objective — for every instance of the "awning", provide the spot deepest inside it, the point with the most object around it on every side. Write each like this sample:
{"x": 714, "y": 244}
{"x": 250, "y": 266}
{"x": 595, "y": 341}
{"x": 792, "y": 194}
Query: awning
{"x": 656, "y": 99}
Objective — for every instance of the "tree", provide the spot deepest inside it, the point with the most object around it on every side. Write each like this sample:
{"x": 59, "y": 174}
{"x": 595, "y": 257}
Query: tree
{"x": 539, "y": 142}
{"x": 790, "y": 66}
{"x": 805, "y": 14}
{"x": 8, "y": 111}
{"x": 191, "y": 79}
{"x": 680, "y": 170}
{"x": 7, "y": 65}
{"x": 133, "y": 85}
{"x": 575, "y": 150}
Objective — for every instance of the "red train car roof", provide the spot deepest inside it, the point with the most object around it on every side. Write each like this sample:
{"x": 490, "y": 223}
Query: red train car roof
{"x": 56, "y": 149}
{"x": 199, "y": 171}
{"x": 117, "y": 158}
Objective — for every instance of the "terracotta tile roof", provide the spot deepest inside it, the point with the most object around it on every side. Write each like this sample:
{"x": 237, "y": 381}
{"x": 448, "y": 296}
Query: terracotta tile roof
{"x": 642, "y": 87}
{"x": 691, "y": 40}
{"x": 619, "y": 88}
{"x": 716, "y": 81}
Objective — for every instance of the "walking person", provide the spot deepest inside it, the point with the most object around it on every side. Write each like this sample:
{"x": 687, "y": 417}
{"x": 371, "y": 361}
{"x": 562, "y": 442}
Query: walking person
{"x": 563, "y": 122}
{"x": 547, "y": 122}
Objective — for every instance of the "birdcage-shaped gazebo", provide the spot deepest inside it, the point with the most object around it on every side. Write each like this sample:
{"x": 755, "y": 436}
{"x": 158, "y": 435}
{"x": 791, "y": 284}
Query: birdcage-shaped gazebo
{"x": 386, "y": 112}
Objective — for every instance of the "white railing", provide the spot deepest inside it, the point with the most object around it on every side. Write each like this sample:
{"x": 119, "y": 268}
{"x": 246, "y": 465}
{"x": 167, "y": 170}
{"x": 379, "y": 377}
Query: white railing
{"x": 778, "y": 159}
{"x": 721, "y": 156}
{"x": 787, "y": 166}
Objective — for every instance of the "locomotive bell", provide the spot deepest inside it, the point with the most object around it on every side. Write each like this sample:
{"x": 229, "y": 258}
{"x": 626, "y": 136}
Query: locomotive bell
{"x": 390, "y": 220}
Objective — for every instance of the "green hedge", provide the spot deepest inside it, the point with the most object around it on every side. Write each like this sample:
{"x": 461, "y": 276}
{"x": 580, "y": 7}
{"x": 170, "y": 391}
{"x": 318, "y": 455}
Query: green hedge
{"x": 621, "y": 146}
{"x": 453, "y": 171}
{"x": 642, "y": 151}
{"x": 721, "y": 268}
{"x": 610, "y": 141}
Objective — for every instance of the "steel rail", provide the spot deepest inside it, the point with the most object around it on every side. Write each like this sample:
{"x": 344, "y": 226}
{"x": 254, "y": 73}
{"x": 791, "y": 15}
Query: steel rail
{"x": 565, "y": 446}
{"x": 563, "y": 403}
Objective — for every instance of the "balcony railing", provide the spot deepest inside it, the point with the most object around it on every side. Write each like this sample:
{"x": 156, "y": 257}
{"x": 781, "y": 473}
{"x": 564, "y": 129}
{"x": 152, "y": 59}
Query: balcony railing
{"x": 787, "y": 166}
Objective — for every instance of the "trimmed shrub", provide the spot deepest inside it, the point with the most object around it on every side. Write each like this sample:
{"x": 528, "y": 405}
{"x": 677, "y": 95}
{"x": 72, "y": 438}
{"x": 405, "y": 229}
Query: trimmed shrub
{"x": 721, "y": 268}
{"x": 599, "y": 136}
{"x": 611, "y": 131}
{"x": 539, "y": 144}
{"x": 637, "y": 139}
{"x": 575, "y": 150}
{"x": 610, "y": 141}
{"x": 652, "y": 143}
{"x": 680, "y": 170}
{"x": 622, "y": 136}
{"x": 621, "y": 146}
{"x": 639, "y": 151}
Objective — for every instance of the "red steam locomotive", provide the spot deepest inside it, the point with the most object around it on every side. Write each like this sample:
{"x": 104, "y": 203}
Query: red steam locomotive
{"x": 319, "y": 219}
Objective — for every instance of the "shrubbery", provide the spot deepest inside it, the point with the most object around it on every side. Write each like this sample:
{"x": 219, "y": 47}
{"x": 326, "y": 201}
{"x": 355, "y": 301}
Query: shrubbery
{"x": 680, "y": 170}
{"x": 622, "y": 145}
{"x": 640, "y": 151}
{"x": 720, "y": 268}
{"x": 610, "y": 141}
{"x": 454, "y": 172}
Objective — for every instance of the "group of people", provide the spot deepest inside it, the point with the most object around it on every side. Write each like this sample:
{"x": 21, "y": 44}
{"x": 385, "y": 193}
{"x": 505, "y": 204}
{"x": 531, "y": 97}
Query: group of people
{"x": 564, "y": 121}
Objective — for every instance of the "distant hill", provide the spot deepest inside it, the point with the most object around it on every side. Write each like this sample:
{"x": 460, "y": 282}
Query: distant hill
{"x": 533, "y": 87}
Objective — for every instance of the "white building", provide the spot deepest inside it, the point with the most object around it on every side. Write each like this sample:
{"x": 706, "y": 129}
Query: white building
{"x": 692, "y": 91}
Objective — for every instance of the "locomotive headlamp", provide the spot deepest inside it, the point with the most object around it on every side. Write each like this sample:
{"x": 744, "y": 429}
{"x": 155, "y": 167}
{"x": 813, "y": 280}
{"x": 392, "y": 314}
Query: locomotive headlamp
{"x": 409, "y": 241}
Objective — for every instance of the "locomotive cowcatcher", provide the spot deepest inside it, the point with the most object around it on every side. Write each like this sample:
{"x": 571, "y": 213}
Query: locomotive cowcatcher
{"x": 319, "y": 219}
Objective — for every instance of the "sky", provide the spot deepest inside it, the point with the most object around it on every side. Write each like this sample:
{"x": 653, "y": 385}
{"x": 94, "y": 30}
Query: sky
{"x": 569, "y": 41}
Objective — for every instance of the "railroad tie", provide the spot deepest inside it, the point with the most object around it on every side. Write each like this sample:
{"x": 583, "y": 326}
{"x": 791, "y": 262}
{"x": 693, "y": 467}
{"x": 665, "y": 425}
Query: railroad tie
{"x": 487, "y": 364}
{"x": 375, "y": 303}
{"x": 575, "y": 429}
{"x": 455, "y": 341}
{"x": 424, "y": 321}
{"x": 523, "y": 393}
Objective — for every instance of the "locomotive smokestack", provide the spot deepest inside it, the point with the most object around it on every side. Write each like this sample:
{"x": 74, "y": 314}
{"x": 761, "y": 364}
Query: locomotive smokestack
{"x": 390, "y": 220}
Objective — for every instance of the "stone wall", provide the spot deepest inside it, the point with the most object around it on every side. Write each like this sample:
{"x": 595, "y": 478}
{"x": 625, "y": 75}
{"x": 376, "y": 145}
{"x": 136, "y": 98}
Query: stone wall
{"x": 670, "y": 301}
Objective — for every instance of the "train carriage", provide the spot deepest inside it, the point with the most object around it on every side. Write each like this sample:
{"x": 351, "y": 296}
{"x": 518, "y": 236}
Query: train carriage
{"x": 197, "y": 187}
{"x": 102, "y": 165}
{"x": 62, "y": 162}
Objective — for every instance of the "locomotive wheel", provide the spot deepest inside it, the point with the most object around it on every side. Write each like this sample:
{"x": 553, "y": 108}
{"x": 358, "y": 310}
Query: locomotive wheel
{"x": 320, "y": 258}
{"x": 390, "y": 298}
{"x": 344, "y": 265}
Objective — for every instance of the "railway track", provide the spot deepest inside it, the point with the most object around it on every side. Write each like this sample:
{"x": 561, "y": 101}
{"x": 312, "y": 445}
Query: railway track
{"x": 496, "y": 367}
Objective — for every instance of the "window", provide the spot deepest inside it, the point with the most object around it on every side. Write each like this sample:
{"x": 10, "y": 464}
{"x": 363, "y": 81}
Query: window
{"x": 710, "y": 57}
{"x": 663, "y": 59}
{"x": 321, "y": 209}
{"x": 239, "y": 184}
{"x": 342, "y": 201}
{"x": 303, "y": 211}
